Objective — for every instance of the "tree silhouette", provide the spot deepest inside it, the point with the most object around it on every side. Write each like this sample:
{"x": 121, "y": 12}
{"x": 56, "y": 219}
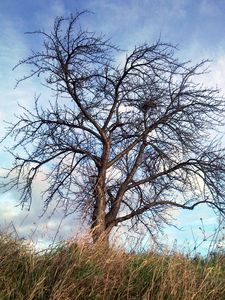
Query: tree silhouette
{"x": 119, "y": 142}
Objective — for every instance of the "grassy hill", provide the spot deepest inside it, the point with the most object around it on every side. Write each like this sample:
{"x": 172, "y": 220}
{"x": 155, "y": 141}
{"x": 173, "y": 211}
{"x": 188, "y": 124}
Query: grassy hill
{"x": 77, "y": 270}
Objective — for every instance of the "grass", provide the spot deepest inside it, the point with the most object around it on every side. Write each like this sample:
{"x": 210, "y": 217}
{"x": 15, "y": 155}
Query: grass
{"x": 76, "y": 270}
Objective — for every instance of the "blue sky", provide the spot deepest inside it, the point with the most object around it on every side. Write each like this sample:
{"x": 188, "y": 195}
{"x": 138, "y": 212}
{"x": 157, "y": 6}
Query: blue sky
{"x": 197, "y": 27}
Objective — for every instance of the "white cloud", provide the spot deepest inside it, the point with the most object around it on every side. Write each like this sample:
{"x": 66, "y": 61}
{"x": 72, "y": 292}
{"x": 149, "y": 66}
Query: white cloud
{"x": 28, "y": 224}
{"x": 209, "y": 7}
{"x": 45, "y": 19}
{"x": 174, "y": 8}
{"x": 217, "y": 75}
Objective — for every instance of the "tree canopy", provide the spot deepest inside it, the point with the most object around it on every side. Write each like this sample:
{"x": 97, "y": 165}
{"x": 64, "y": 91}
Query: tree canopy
{"x": 121, "y": 141}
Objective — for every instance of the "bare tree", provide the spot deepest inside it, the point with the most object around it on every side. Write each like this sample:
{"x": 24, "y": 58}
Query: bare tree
{"x": 120, "y": 143}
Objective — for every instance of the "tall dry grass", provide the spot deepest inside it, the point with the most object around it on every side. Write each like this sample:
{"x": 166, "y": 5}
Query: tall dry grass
{"x": 77, "y": 270}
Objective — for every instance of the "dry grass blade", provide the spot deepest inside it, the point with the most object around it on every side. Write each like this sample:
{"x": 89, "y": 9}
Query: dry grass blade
{"x": 77, "y": 270}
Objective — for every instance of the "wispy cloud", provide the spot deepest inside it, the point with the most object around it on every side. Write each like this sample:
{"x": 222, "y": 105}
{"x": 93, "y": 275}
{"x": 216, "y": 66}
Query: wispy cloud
{"x": 32, "y": 222}
{"x": 210, "y": 8}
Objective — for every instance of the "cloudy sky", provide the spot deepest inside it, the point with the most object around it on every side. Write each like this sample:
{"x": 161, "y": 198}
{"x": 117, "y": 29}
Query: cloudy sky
{"x": 197, "y": 27}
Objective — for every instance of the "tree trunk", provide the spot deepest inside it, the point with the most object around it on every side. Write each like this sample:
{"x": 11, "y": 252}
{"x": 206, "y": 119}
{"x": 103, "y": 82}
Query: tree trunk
{"x": 99, "y": 214}
{"x": 99, "y": 226}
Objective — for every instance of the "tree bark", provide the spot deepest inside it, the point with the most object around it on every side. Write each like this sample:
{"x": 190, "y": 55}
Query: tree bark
{"x": 99, "y": 213}
{"x": 99, "y": 226}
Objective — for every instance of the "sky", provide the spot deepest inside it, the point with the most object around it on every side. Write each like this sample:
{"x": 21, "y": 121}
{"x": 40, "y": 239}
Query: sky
{"x": 196, "y": 27}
